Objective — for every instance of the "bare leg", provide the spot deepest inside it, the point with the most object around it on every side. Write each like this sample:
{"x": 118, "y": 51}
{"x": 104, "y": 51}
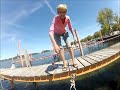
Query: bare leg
{"x": 63, "y": 57}
{"x": 72, "y": 55}
{"x": 58, "y": 49}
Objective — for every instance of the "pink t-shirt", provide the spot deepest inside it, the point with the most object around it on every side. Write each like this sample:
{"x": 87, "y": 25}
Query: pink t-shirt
{"x": 58, "y": 27}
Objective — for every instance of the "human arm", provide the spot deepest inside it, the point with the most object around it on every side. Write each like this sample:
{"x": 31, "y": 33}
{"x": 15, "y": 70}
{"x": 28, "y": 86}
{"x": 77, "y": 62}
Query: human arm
{"x": 70, "y": 28}
{"x": 51, "y": 35}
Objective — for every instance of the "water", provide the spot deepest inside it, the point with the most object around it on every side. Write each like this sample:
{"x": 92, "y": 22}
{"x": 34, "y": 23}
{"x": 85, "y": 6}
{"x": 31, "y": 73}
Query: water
{"x": 83, "y": 82}
{"x": 8, "y": 63}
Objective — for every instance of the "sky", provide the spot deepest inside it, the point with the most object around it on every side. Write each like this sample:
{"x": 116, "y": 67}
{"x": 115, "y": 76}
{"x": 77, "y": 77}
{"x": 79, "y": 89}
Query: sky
{"x": 29, "y": 21}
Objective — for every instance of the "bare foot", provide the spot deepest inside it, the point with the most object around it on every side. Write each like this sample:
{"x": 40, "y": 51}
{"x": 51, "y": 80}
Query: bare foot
{"x": 75, "y": 64}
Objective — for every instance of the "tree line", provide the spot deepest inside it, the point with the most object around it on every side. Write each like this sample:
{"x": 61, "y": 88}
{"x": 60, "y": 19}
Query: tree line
{"x": 108, "y": 21}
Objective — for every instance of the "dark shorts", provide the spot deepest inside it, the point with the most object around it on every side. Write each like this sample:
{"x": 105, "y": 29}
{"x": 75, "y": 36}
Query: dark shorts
{"x": 65, "y": 37}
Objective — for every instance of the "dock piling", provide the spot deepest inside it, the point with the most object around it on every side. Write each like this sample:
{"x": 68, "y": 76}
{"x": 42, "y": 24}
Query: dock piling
{"x": 12, "y": 84}
{"x": 79, "y": 43}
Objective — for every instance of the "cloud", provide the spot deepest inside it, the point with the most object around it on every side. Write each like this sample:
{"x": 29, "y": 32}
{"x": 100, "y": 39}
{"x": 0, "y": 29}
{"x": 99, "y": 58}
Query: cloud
{"x": 9, "y": 23}
{"x": 12, "y": 38}
{"x": 8, "y": 37}
{"x": 23, "y": 12}
{"x": 50, "y": 7}
{"x": 36, "y": 7}
{"x": 12, "y": 19}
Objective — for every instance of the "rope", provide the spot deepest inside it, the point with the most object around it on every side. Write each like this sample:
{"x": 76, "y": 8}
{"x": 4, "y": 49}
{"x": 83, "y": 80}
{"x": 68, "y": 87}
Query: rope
{"x": 72, "y": 81}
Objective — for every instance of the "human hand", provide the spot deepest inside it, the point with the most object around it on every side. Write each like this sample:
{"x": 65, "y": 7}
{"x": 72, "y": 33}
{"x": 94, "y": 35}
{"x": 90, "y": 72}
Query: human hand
{"x": 75, "y": 41}
{"x": 56, "y": 48}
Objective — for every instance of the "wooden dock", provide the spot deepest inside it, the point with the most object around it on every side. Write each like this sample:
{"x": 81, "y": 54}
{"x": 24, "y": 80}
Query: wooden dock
{"x": 46, "y": 73}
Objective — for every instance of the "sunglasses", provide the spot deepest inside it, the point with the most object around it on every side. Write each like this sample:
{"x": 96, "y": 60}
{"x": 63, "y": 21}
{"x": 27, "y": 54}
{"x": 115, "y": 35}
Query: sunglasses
{"x": 62, "y": 12}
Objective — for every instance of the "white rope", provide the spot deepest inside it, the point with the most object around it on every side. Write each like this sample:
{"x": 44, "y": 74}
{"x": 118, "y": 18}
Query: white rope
{"x": 72, "y": 81}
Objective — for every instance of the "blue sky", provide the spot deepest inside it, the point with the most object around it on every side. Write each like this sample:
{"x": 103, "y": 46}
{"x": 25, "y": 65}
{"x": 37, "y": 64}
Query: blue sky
{"x": 29, "y": 22}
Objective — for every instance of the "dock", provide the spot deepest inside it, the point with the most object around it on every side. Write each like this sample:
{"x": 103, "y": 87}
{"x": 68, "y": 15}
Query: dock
{"x": 46, "y": 73}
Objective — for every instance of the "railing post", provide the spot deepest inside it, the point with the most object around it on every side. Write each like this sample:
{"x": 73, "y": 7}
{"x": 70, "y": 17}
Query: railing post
{"x": 27, "y": 59}
{"x": 13, "y": 64}
{"x": 79, "y": 43}
{"x": 21, "y": 59}
{"x": 12, "y": 84}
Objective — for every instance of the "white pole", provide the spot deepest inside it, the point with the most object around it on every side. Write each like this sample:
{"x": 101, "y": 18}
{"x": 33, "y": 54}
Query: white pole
{"x": 13, "y": 64}
{"x": 22, "y": 62}
{"x": 27, "y": 58}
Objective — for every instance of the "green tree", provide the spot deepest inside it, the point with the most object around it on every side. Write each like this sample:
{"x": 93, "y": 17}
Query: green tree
{"x": 116, "y": 20}
{"x": 105, "y": 19}
{"x": 89, "y": 37}
{"x": 96, "y": 34}
{"x": 115, "y": 27}
{"x": 84, "y": 40}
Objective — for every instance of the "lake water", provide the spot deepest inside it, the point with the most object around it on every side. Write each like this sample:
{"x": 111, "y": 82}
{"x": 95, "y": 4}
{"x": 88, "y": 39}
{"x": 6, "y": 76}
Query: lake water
{"x": 8, "y": 63}
{"x": 82, "y": 83}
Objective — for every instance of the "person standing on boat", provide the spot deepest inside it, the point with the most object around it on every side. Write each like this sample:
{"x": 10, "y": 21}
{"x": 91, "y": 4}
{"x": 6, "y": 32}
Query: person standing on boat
{"x": 57, "y": 30}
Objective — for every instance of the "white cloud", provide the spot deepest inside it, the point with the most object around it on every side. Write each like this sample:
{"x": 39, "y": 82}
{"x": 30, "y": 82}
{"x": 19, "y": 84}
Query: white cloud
{"x": 36, "y": 7}
{"x": 12, "y": 38}
{"x": 50, "y": 7}
{"x": 8, "y": 23}
{"x": 13, "y": 18}
{"x": 8, "y": 37}
{"x": 23, "y": 12}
